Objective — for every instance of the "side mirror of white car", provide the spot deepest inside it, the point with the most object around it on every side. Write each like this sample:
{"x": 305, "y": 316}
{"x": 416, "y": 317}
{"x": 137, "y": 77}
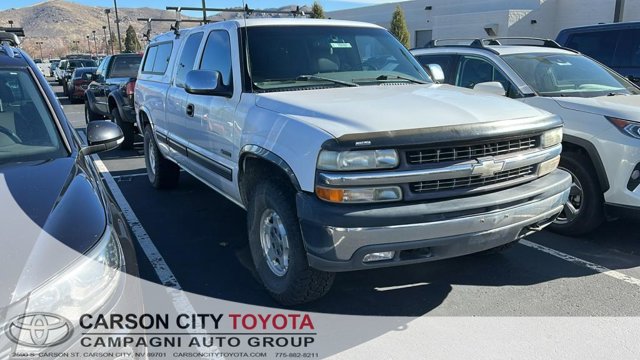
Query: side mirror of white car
{"x": 491, "y": 87}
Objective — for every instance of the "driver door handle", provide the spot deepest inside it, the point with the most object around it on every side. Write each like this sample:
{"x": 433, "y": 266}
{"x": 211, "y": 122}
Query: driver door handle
{"x": 190, "y": 110}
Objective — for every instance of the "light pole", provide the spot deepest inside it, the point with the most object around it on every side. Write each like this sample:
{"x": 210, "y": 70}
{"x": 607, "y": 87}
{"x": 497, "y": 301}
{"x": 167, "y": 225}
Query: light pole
{"x": 95, "y": 43}
{"x": 107, "y": 11}
{"x": 106, "y": 43}
{"x": 11, "y": 23}
{"x": 115, "y": 5}
{"x": 39, "y": 43}
{"x": 88, "y": 45}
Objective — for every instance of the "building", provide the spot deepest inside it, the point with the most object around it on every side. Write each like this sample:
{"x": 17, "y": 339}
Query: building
{"x": 440, "y": 19}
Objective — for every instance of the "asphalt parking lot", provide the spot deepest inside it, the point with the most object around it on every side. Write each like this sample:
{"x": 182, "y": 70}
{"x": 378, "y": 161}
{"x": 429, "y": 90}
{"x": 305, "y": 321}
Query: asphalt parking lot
{"x": 202, "y": 238}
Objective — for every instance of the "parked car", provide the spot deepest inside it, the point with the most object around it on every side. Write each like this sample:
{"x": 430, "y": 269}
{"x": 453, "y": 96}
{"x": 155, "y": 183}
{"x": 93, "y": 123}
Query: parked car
{"x": 79, "y": 82}
{"x": 59, "y": 71}
{"x": 110, "y": 94}
{"x": 54, "y": 65}
{"x": 615, "y": 45}
{"x": 601, "y": 111}
{"x": 343, "y": 152}
{"x": 71, "y": 65}
{"x": 49, "y": 180}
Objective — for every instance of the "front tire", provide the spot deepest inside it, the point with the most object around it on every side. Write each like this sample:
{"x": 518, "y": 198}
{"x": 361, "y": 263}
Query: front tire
{"x": 277, "y": 248}
{"x": 162, "y": 173}
{"x": 89, "y": 115}
{"x": 128, "y": 129}
{"x": 584, "y": 211}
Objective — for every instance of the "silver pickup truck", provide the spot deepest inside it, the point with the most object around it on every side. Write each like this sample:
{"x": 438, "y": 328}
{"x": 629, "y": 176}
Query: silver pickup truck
{"x": 344, "y": 153}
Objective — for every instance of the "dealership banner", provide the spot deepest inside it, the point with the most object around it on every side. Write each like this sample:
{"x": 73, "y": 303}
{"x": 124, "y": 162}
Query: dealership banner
{"x": 93, "y": 306}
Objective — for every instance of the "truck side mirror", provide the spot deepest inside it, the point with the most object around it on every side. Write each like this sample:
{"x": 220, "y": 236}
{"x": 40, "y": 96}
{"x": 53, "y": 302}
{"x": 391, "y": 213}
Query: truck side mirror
{"x": 436, "y": 73}
{"x": 205, "y": 82}
{"x": 491, "y": 87}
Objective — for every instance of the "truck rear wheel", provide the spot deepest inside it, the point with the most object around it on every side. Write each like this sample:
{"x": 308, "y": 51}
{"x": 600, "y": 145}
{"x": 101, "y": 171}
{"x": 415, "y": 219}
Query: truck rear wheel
{"x": 277, "y": 249}
{"x": 162, "y": 173}
{"x": 128, "y": 129}
{"x": 584, "y": 210}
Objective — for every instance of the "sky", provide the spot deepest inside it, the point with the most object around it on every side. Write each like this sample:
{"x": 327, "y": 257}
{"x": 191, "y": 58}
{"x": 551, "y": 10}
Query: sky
{"x": 328, "y": 5}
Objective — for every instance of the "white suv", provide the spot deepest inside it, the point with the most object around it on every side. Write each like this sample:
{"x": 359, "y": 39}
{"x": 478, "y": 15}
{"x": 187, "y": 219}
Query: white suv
{"x": 601, "y": 111}
{"x": 343, "y": 152}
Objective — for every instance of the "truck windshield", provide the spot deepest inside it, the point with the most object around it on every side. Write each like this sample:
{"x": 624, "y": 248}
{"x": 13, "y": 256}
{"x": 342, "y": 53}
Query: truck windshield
{"x": 568, "y": 75}
{"x": 27, "y": 130}
{"x": 286, "y": 57}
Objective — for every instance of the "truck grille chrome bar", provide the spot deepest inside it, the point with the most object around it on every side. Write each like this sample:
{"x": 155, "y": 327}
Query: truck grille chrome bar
{"x": 468, "y": 152}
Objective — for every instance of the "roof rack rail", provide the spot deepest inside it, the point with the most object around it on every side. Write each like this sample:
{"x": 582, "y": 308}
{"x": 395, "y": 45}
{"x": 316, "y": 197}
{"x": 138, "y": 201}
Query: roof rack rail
{"x": 246, "y": 9}
{"x": 482, "y": 43}
{"x": 174, "y": 28}
{"x": 474, "y": 43}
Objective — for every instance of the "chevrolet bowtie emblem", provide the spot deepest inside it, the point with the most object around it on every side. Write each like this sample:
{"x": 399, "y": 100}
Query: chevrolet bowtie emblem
{"x": 487, "y": 167}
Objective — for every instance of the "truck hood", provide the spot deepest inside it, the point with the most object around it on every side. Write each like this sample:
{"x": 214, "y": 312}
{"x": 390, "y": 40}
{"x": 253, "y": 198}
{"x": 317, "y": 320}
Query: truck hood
{"x": 621, "y": 106}
{"x": 352, "y": 110}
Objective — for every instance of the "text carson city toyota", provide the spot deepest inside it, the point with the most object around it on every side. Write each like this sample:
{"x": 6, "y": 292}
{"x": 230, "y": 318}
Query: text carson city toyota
{"x": 343, "y": 152}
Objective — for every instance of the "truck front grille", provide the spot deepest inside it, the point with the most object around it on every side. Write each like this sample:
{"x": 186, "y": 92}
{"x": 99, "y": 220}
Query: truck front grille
{"x": 468, "y": 152}
{"x": 471, "y": 182}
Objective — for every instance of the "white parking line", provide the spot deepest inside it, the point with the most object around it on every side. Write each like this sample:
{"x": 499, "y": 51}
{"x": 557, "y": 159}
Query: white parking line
{"x": 180, "y": 301}
{"x": 570, "y": 258}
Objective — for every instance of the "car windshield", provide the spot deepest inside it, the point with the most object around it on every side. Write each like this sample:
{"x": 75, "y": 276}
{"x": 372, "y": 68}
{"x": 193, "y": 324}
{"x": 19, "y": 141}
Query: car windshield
{"x": 27, "y": 130}
{"x": 286, "y": 57}
{"x": 568, "y": 75}
{"x": 125, "y": 66}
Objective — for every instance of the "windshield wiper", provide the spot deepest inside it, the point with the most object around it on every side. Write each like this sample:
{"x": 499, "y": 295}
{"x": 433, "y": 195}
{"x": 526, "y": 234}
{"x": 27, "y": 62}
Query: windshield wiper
{"x": 398, "y": 77}
{"x": 316, "y": 77}
{"x": 615, "y": 93}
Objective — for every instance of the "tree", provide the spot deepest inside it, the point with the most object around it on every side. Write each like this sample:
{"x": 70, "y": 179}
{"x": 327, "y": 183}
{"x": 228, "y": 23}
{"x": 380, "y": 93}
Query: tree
{"x": 131, "y": 42}
{"x": 317, "y": 12}
{"x": 399, "y": 27}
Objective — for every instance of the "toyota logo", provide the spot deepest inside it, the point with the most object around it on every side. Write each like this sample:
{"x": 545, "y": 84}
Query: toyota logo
{"x": 39, "y": 330}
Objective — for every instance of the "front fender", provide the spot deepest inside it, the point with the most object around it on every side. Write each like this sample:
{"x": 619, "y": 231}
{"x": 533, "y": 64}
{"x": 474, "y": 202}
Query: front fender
{"x": 295, "y": 142}
{"x": 91, "y": 101}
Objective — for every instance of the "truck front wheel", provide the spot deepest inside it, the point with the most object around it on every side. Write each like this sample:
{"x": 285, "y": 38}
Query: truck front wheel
{"x": 277, "y": 249}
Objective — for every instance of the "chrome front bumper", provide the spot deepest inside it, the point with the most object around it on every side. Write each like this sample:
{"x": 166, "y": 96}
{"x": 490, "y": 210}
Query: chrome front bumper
{"x": 448, "y": 228}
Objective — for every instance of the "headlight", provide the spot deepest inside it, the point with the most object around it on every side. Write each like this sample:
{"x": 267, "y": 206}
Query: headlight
{"x": 357, "y": 160}
{"x": 627, "y": 127}
{"x": 360, "y": 195}
{"x": 551, "y": 137}
{"x": 84, "y": 286}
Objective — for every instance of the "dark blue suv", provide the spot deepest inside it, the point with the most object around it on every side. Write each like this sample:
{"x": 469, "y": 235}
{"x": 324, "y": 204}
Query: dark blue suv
{"x": 65, "y": 248}
{"x": 616, "y": 45}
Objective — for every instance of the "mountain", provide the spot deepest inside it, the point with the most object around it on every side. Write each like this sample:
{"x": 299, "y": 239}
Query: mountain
{"x": 62, "y": 26}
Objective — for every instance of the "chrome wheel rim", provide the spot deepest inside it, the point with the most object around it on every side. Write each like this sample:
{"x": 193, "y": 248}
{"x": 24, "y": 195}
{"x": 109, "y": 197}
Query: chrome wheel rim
{"x": 152, "y": 156}
{"x": 574, "y": 204}
{"x": 274, "y": 242}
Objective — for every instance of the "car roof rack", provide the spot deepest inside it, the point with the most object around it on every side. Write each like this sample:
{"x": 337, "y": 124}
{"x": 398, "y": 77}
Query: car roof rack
{"x": 482, "y": 43}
